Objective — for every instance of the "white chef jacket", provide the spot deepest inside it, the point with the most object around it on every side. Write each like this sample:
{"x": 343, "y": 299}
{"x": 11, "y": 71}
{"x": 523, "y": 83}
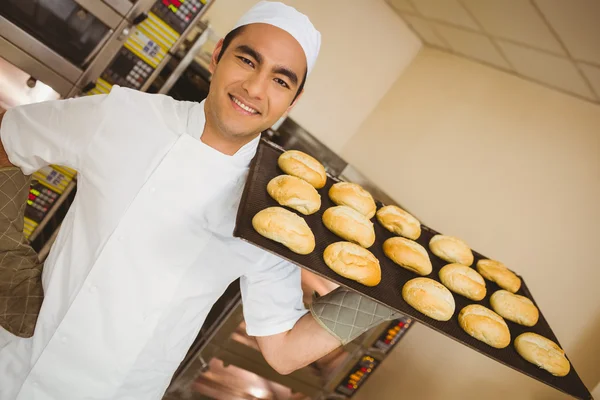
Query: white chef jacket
{"x": 143, "y": 253}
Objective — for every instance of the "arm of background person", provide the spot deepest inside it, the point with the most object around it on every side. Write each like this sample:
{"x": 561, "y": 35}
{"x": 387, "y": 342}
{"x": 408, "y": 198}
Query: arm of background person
{"x": 288, "y": 335}
{"x": 305, "y": 343}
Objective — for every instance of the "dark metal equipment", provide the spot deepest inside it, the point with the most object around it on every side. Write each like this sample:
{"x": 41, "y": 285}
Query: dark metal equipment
{"x": 225, "y": 363}
{"x": 86, "y": 46}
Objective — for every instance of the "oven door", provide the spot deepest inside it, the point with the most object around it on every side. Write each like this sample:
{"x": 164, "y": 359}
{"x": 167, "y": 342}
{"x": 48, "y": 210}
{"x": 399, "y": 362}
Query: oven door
{"x": 63, "y": 26}
{"x": 62, "y": 41}
{"x": 225, "y": 363}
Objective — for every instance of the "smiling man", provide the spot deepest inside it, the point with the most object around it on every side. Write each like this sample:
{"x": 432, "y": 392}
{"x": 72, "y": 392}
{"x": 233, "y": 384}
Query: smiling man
{"x": 147, "y": 247}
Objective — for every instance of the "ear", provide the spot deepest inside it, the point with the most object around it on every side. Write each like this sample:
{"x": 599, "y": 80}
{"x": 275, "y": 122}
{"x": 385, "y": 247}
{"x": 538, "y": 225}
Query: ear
{"x": 215, "y": 56}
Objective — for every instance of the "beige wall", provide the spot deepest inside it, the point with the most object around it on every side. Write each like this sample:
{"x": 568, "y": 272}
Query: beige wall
{"x": 365, "y": 48}
{"x": 514, "y": 169}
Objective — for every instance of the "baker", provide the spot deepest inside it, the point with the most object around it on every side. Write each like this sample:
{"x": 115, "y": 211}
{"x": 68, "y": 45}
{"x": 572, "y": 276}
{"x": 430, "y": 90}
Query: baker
{"x": 147, "y": 247}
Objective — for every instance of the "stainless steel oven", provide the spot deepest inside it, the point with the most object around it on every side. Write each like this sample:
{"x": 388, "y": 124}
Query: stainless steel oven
{"x": 69, "y": 44}
{"x": 225, "y": 363}
{"x": 65, "y": 42}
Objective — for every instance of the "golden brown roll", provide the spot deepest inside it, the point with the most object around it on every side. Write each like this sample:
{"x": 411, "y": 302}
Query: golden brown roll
{"x": 463, "y": 280}
{"x": 451, "y": 249}
{"x": 285, "y": 227}
{"x": 515, "y": 308}
{"x": 398, "y": 221}
{"x": 542, "y": 352}
{"x": 353, "y": 262}
{"x": 497, "y": 272}
{"x": 429, "y": 297}
{"x": 295, "y": 193}
{"x": 408, "y": 254}
{"x": 350, "y": 225}
{"x": 303, "y": 166}
{"x": 484, "y": 325}
{"x": 353, "y": 196}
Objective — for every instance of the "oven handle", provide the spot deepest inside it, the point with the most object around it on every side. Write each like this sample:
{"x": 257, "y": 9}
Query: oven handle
{"x": 139, "y": 19}
{"x": 203, "y": 365}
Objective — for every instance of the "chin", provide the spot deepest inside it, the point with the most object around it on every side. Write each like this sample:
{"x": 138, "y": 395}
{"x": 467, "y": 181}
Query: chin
{"x": 234, "y": 126}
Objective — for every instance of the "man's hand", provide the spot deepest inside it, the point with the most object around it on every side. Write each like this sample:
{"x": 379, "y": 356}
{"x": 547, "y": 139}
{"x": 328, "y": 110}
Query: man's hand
{"x": 335, "y": 319}
{"x": 347, "y": 314}
{"x": 21, "y": 291}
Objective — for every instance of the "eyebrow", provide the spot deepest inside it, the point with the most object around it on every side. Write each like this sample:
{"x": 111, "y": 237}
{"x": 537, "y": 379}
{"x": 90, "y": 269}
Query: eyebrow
{"x": 291, "y": 75}
{"x": 287, "y": 72}
{"x": 251, "y": 52}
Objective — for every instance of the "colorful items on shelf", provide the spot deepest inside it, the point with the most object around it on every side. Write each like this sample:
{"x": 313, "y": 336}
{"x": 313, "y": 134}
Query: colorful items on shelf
{"x": 47, "y": 185}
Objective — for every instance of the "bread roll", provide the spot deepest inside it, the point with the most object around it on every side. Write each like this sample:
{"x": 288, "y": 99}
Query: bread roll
{"x": 542, "y": 352}
{"x": 285, "y": 227}
{"x": 429, "y": 297}
{"x": 295, "y": 193}
{"x": 451, "y": 249}
{"x": 463, "y": 280}
{"x": 497, "y": 272}
{"x": 353, "y": 196}
{"x": 515, "y": 308}
{"x": 408, "y": 254}
{"x": 353, "y": 262}
{"x": 349, "y": 224}
{"x": 303, "y": 166}
{"x": 398, "y": 221}
{"x": 484, "y": 325}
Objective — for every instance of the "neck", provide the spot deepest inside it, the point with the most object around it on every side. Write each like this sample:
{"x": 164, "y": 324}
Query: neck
{"x": 228, "y": 146}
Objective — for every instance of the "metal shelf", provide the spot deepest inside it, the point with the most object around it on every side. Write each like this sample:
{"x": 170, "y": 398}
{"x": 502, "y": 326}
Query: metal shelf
{"x": 43, "y": 253}
{"x": 63, "y": 197}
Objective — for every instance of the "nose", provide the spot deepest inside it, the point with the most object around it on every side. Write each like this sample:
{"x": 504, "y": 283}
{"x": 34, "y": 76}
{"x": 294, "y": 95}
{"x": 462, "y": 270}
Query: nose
{"x": 255, "y": 85}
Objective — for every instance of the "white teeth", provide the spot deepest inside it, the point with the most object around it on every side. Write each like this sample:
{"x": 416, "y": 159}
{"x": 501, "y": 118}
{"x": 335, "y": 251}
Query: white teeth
{"x": 243, "y": 106}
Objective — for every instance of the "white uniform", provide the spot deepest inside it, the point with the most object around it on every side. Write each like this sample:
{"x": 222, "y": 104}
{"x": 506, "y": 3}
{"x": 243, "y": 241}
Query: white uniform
{"x": 143, "y": 253}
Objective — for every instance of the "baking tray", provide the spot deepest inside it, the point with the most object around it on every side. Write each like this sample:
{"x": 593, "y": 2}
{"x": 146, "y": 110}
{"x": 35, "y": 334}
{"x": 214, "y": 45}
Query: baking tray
{"x": 255, "y": 198}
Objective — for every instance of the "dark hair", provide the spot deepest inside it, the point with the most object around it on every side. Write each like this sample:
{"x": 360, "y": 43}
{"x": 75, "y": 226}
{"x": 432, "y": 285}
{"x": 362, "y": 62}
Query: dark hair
{"x": 232, "y": 35}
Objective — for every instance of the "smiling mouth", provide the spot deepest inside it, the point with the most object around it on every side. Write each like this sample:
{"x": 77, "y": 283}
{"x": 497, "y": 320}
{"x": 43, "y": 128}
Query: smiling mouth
{"x": 244, "y": 107}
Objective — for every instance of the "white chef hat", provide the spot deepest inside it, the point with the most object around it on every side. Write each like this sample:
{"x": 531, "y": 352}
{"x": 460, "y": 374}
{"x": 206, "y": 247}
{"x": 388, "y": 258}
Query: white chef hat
{"x": 290, "y": 20}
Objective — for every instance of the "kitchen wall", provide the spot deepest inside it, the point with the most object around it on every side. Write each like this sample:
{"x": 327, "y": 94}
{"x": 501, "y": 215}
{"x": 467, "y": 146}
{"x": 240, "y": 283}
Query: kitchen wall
{"x": 514, "y": 169}
{"x": 365, "y": 48}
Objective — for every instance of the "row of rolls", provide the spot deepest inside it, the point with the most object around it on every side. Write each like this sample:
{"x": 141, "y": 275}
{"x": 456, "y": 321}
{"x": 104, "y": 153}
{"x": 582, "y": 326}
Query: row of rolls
{"x": 350, "y": 219}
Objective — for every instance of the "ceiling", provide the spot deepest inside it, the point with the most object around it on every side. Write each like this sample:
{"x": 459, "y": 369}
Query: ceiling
{"x": 552, "y": 42}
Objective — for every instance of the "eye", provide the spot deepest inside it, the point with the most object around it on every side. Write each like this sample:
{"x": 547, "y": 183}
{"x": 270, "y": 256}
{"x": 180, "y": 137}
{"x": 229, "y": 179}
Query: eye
{"x": 282, "y": 83}
{"x": 246, "y": 61}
